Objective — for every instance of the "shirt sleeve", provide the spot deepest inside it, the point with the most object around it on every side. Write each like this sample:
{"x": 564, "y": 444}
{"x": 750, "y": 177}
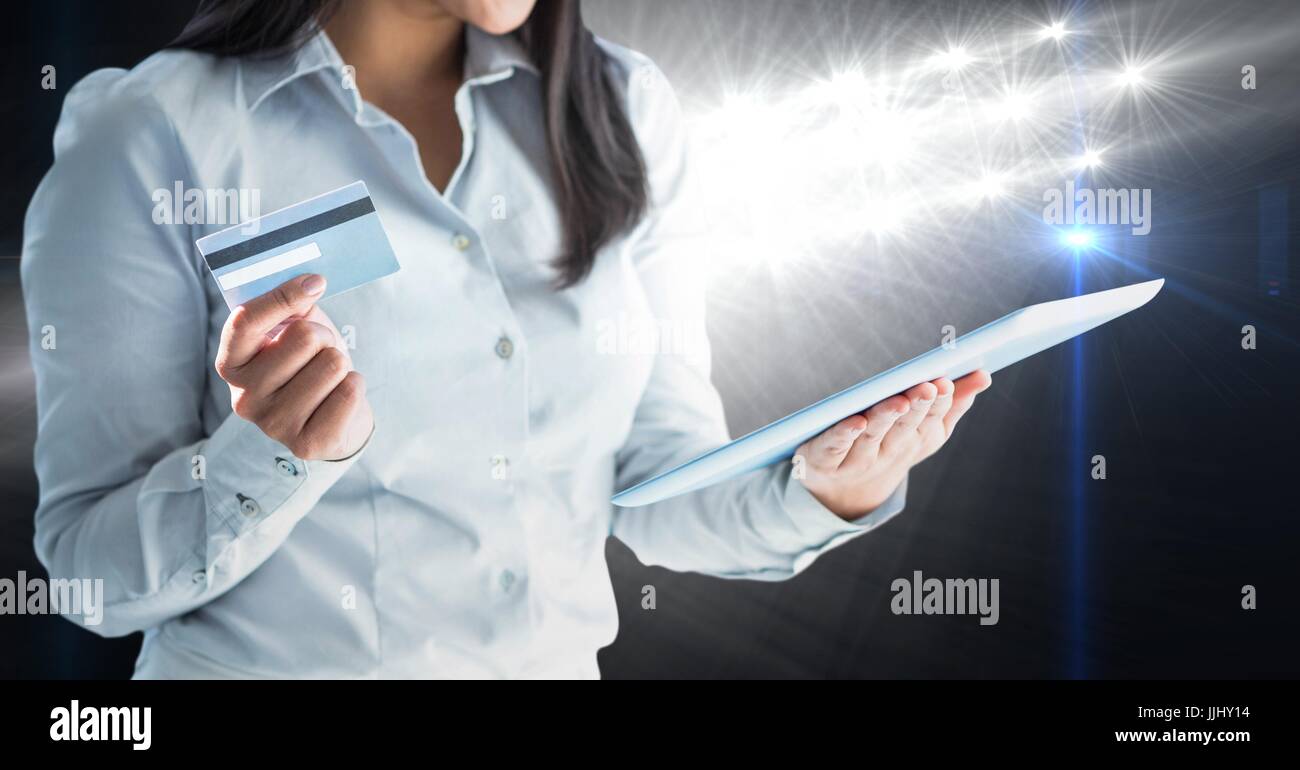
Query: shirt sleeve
{"x": 132, "y": 491}
{"x": 765, "y": 524}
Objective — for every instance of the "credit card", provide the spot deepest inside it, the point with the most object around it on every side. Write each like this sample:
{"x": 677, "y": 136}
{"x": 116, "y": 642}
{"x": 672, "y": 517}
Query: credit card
{"x": 337, "y": 235}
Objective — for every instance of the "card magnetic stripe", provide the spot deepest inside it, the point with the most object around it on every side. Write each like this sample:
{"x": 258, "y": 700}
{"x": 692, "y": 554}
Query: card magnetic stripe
{"x": 301, "y": 229}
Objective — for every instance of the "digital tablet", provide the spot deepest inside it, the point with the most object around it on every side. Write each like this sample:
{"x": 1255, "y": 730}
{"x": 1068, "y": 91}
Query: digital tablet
{"x": 991, "y": 347}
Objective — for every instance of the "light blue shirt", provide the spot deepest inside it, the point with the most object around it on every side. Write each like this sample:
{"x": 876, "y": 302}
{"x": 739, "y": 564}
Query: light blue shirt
{"x": 468, "y": 538}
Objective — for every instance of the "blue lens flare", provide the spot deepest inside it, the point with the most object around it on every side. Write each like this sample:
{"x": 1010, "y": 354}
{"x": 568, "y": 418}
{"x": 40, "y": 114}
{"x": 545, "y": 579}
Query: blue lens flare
{"x": 1079, "y": 239}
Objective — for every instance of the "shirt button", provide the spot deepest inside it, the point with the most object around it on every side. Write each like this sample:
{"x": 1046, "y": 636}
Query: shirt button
{"x": 505, "y": 348}
{"x": 199, "y": 576}
{"x": 507, "y": 580}
{"x": 248, "y": 506}
{"x": 285, "y": 467}
{"x": 460, "y": 241}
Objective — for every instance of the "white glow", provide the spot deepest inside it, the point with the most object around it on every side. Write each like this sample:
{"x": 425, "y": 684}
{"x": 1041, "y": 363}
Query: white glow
{"x": 883, "y": 137}
{"x": 881, "y": 156}
{"x": 1132, "y": 77}
{"x": 847, "y": 89}
{"x": 990, "y": 186}
{"x": 1090, "y": 159}
{"x": 738, "y": 113}
{"x": 953, "y": 59}
{"x": 1013, "y": 106}
{"x": 882, "y": 216}
{"x": 1055, "y": 31}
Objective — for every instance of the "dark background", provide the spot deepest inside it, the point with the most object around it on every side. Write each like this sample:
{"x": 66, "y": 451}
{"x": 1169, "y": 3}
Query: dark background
{"x": 1137, "y": 576}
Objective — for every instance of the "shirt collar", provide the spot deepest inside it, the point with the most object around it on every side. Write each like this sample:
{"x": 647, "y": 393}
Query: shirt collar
{"x": 488, "y": 58}
{"x": 494, "y": 56}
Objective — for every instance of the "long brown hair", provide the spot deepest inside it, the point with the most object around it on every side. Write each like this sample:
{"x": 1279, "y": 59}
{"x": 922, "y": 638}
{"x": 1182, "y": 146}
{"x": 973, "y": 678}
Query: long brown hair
{"x": 600, "y": 175}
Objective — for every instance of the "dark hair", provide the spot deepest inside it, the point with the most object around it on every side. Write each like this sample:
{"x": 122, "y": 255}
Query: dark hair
{"x": 600, "y": 175}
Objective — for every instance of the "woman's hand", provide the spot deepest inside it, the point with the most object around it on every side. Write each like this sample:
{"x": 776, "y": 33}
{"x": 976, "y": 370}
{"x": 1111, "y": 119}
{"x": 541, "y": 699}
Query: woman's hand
{"x": 290, "y": 374}
{"x": 858, "y": 463}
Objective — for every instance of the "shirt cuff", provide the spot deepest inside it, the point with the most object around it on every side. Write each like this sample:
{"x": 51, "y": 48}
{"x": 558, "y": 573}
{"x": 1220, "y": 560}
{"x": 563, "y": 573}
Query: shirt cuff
{"x": 820, "y": 525}
{"x": 254, "y": 482}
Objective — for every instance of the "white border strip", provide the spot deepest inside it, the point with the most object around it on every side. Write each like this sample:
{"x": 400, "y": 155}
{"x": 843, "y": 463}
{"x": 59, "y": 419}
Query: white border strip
{"x": 236, "y": 278}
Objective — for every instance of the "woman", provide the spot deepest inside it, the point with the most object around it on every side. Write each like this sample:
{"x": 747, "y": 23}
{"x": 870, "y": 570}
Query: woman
{"x": 411, "y": 479}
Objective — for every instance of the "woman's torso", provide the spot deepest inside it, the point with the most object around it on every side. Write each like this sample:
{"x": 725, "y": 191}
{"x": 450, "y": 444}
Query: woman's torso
{"x": 469, "y": 538}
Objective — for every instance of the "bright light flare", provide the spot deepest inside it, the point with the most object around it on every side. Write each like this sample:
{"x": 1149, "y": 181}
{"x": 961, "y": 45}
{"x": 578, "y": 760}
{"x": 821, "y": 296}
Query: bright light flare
{"x": 1055, "y": 31}
{"x": 882, "y": 137}
{"x": 953, "y": 59}
{"x": 1090, "y": 159}
{"x": 908, "y": 154}
{"x": 849, "y": 89}
{"x": 990, "y": 186}
{"x": 1132, "y": 77}
{"x": 740, "y": 113}
{"x": 1079, "y": 239}
{"x": 1013, "y": 107}
{"x": 883, "y": 216}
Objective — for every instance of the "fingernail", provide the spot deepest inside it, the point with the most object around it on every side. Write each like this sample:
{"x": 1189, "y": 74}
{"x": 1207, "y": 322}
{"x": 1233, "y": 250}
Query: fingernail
{"x": 313, "y": 284}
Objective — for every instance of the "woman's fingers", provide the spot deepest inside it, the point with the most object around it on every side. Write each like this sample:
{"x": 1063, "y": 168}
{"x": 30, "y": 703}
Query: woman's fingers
{"x": 825, "y": 452}
{"x": 972, "y": 384}
{"x": 920, "y": 397}
{"x": 307, "y": 390}
{"x": 244, "y": 333}
{"x": 855, "y": 442}
{"x": 943, "y": 400}
{"x": 290, "y": 373}
{"x": 855, "y": 465}
{"x": 933, "y": 423}
{"x": 316, "y": 315}
{"x": 277, "y": 363}
{"x": 964, "y": 391}
{"x": 320, "y": 435}
{"x": 881, "y": 418}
